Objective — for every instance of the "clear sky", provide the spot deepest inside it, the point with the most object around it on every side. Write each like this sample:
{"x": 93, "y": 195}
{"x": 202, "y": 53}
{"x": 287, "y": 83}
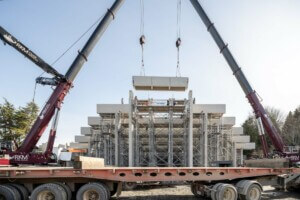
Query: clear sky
{"x": 264, "y": 37}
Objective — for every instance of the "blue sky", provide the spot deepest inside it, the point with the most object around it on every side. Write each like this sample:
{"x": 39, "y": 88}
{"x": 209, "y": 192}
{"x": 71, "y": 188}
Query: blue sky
{"x": 262, "y": 35}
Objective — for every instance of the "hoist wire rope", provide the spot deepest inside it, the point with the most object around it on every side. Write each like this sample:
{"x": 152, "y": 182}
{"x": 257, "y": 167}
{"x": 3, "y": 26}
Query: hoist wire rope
{"x": 68, "y": 49}
{"x": 178, "y": 41}
{"x": 142, "y": 37}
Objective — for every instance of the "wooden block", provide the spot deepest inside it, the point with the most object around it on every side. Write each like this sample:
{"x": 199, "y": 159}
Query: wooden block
{"x": 83, "y": 162}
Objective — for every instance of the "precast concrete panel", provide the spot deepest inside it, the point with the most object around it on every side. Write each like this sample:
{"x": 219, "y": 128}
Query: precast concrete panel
{"x": 160, "y": 83}
{"x": 86, "y": 131}
{"x": 228, "y": 121}
{"x": 112, "y": 108}
{"x": 245, "y": 146}
{"x": 81, "y": 138}
{"x": 209, "y": 108}
{"x": 237, "y": 130}
{"x": 79, "y": 145}
{"x": 93, "y": 121}
{"x": 241, "y": 139}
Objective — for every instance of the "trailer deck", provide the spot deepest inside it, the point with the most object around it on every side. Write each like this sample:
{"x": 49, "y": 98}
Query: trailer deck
{"x": 142, "y": 174}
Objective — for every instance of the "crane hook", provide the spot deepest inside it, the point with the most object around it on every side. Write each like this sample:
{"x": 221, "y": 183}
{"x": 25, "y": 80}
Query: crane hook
{"x": 142, "y": 40}
{"x": 178, "y": 42}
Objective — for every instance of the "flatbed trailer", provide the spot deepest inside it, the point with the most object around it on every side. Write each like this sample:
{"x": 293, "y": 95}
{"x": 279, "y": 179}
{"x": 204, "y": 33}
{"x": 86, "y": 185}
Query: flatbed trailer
{"x": 44, "y": 182}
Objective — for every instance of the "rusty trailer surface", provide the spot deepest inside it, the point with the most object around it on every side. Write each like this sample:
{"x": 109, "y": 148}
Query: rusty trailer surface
{"x": 143, "y": 174}
{"x": 65, "y": 183}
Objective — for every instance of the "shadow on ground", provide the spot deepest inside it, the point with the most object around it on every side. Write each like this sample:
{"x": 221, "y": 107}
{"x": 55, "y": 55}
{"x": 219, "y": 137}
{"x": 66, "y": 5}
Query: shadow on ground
{"x": 183, "y": 193}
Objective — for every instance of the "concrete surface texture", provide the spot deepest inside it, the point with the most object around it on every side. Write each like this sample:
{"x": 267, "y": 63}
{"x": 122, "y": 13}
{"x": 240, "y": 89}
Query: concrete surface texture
{"x": 184, "y": 193}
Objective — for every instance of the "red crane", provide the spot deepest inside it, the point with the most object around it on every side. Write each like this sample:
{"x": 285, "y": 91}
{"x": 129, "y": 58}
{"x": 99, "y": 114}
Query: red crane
{"x": 263, "y": 120}
{"x": 63, "y": 83}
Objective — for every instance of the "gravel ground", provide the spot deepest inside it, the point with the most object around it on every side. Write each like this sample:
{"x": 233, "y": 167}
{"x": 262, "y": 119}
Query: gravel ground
{"x": 184, "y": 193}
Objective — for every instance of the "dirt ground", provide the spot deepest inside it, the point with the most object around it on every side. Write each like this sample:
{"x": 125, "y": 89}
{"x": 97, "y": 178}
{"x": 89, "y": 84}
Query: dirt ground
{"x": 184, "y": 193}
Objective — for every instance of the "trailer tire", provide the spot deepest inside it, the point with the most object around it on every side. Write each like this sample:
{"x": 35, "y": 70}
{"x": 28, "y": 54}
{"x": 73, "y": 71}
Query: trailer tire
{"x": 254, "y": 192}
{"x": 106, "y": 188}
{"x": 214, "y": 191}
{"x": 15, "y": 190}
{"x": 95, "y": 190}
{"x": 42, "y": 192}
{"x": 22, "y": 190}
{"x": 66, "y": 188}
{"x": 8, "y": 193}
{"x": 226, "y": 192}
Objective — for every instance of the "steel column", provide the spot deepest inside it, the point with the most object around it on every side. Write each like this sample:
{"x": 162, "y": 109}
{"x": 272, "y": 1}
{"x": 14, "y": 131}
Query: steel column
{"x": 116, "y": 133}
{"x": 130, "y": 131}
{"x": 151, "y": 133}
{"x": 205, "y": 145}
{"x": 190, "y": 135}
{"x": 170, "y": 135}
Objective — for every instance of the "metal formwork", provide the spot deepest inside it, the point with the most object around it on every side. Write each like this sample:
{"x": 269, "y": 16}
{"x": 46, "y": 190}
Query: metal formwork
{"x": 161, "y": 133}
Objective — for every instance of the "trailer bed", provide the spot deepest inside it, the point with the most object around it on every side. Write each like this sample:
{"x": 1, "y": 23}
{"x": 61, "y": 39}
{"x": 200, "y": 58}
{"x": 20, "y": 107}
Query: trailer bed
{"x": 143, "y": 174}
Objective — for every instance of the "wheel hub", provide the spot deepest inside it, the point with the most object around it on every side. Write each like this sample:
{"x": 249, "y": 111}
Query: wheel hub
{"x": 91, "y": 195}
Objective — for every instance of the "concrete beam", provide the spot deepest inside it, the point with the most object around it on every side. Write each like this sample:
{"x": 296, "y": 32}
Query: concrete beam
{"x": 79, "y": 145}
{"x": 82, "y": 139}
{"x": 241, "y": 139}
{"x": 237, "y": 130}
{"x": 209, "y": 108}
{"x": 87, "y": 131}
{"x": 93, "y": 121}
{"x": 245, "y": 146}
{"x": 160, "y": 83}
{"x": 112, "y": 108}
{"x": 228, "y": 121}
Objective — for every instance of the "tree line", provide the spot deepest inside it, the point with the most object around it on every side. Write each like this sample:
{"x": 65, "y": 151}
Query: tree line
{"x": 287, "y": 126}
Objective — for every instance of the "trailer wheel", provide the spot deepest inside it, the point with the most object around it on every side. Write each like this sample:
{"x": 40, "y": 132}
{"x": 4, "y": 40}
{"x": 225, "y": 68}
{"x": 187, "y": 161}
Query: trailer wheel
{"x": 21, "y": 189}
{"x": 106, "y": 188}
{"x": 66, "y": 188}
{"x": 16, "y": 192}
{"x": 226, "y": 192}
{"x": 197, "y": 190}
{"x": 92, "y": 191}
{"x": 214, "y": 191}
{"x": 249, "y": 190}
{"x": 254, "y": 192}
{"x": 7, "y": 193}
{"x": 48, "y": 191}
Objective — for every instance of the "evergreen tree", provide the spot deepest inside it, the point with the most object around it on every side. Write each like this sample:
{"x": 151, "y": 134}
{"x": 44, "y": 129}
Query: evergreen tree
{"x": 16, "y": 123}
{"x": 291, "y": 128}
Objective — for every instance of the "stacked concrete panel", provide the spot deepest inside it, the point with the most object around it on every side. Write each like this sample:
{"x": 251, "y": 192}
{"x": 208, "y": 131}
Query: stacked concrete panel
{"x": 163, "y": 132}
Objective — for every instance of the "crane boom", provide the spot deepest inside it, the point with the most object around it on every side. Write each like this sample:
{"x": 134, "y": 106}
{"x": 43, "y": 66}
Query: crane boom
{"x": 251, "y": 95}
{"x": 7, "y": 38}
{"x": 24, "y": 154}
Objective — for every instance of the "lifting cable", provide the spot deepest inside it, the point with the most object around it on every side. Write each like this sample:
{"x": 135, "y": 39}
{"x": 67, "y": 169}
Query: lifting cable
{"x": 178, "y": 41}
{"x": 142, "y": 39}
{"x": 68, "y": 49}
